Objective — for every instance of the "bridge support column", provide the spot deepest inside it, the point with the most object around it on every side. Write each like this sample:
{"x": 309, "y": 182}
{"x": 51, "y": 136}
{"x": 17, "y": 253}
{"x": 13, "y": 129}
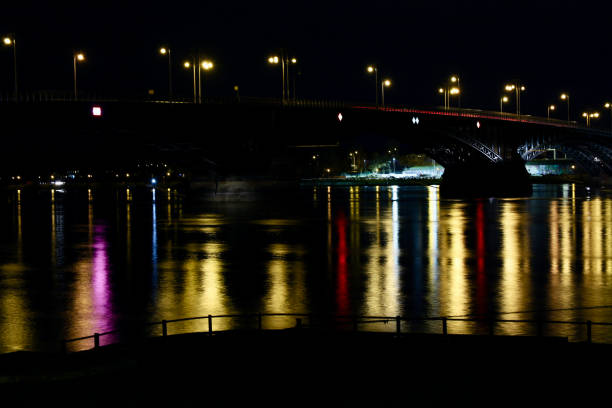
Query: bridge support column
{"x": 508, "y": 178}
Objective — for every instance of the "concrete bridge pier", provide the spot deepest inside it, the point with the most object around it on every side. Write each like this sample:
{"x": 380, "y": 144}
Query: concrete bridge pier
{"x": 507, "y": 178}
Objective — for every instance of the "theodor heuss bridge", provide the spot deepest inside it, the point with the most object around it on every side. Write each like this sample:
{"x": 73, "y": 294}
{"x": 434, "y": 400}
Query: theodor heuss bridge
{"x": 477, "y": 148}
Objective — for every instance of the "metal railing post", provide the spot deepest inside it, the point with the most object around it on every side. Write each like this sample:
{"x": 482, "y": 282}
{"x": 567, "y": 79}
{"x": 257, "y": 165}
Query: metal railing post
{"x": 444, "y": 326}
{"x": 96, "y": 340}
{"x": 588, "y": 325}
{"x": 210, "y": 330}
{"x": 164, "y": 328}
{"x": 398, "y": 327}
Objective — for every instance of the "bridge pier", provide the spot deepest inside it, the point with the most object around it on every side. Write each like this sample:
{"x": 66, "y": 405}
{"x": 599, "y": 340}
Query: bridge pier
{"x": 508, "y": 178}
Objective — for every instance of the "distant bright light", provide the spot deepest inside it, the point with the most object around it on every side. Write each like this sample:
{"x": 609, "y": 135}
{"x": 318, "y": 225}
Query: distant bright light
{"x": 415, "y": 120}
{"x": 564, "y": 96}
{"x": 454, "y": 91}
{"x": 96, "y": 111}
{"x": 510, "y": 87}
{"x": 294, "y": 60}
{"x": 454, "y": 79}
{"x": 370, "y": 69}
{"x": 273, "y": 60}
{"x": 387, "y": 82}
{"x": 441, "y": 90}
{"x": 340, "y": 117}
{"x": 7, "y": 41}
{"x": 153, "y": 181}
{"x": 162, "y": 50}
{"x": 186, "y": 64}
{"x": 478, "y": 124}
{"x": 607, "y": 105}
{"x": 505, "y": 99}
{"x": 80, "y": 57}
{"x": 207, "y": 65}
{"x": 552, "y": 107}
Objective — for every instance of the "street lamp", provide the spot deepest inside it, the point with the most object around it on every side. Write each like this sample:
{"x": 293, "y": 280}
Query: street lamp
{"x": 502, "y": 100}
{"x": 443, "y": 91}
{"x": 76, "y": 57}
{"x": 284, "y": 61}
{"x": 188, "y": 65}
{"x": 167, "y": 51}
{"x": 455, "y": 80}
{"x": 205, "y": 65}
{"x": 373, "y": 69}
{"x": 9, "y": 41}
{"x": 566, "y": 97}
{"x": 590, "y": 115}
{"x": 385, "y": 84}
{"x": 608, "y": 105}
{"x": 518, "y": 89}
{"x": 548, "y": 109}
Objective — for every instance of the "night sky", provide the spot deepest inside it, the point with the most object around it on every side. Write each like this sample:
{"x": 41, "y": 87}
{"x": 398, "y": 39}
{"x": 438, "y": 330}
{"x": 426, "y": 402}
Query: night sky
{"x": 551, "y": 46}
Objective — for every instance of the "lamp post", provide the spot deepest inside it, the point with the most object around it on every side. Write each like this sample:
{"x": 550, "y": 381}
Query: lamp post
{"x": 385, "y": 84}
{"x": 284, "y": 61}
{"x": 588, "y": 116}
{"x": 443, "y": 91}
{"x": 188, "y": 65}
{"x": 518, "y": 89}
{"x": 548, "y": 109}
{"x": 455, "y": 80}
{"x": 205, "y": 65}
{"x": 502, "y": 100}
{"x": 167, "y": 51}
{"x": 566, "y": 97}
{"x": 608, "y": 105}
{"x": 373, "y": 69}
{"x": 10, "y": 41}
{"x": 76, "y": 57}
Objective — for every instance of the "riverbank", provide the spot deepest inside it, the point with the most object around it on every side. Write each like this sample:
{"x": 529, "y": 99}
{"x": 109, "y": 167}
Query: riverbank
{"x": 301, "y": 367}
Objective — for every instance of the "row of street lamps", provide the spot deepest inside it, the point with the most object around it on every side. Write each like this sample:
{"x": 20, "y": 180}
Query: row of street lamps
{"x": 452, "y": 88}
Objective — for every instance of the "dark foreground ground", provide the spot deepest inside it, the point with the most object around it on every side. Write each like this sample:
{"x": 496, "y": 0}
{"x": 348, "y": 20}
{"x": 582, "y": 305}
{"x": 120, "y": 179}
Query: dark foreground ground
{"x": 313, "y": 368}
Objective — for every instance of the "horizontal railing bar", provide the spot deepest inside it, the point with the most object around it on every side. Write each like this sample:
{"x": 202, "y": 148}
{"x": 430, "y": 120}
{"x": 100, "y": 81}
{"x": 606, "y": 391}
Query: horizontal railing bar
{"x": 357, "y": 319}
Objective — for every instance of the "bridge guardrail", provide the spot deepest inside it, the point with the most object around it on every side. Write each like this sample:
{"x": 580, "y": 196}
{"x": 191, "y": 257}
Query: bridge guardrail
{"x": 355, "y": 321}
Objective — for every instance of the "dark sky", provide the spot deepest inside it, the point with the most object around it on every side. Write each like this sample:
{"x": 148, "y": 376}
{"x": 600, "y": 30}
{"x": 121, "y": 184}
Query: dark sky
{"x": 551, "y": 46}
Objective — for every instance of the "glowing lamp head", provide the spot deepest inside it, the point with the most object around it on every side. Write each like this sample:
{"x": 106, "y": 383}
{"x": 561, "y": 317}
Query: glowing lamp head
{"x": 273, "y": 60}
{"x": 80, "y": 56}
{"x": 454, "y": 91}
{"x": 454, "y": 79}
{"x": 370, "y": 69}
{"x": 96, "y": 111}
{"x": 153, "y": 181}
{"x": 504, "y": 99}
{"x": 595, "y": 114}
{"x": 387, "y": 82}
{"x": 187, "y": 64}
{"x": 510, "y": 87}
{"x": 294, "y": 60}
{"x": 552, "y": 107}
{"x": 523, "y": 88}
{"x": 441, "y": 90}
{"x": 163, "y": 51}
{"x": 584, "y": 114}
{"x": 607, "y": 105}
{"x": 207, "y": 65}
{"x": 7, "y": 41}
{"x": 564, "y": 96}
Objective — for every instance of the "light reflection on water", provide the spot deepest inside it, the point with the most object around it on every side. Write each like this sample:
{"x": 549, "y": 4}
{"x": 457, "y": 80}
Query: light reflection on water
{"x": 378, "y": 251}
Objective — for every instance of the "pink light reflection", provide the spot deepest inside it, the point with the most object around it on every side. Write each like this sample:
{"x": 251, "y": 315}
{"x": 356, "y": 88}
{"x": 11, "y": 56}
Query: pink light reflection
{"x": 102, "y": 307}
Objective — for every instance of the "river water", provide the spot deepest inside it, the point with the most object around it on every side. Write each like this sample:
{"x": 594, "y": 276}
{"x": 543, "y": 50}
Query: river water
{"x": 76, "y": 262}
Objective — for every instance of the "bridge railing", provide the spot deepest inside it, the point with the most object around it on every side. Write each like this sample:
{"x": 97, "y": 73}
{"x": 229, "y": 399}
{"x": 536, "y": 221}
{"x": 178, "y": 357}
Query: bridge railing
{"x": 355, "y": 323}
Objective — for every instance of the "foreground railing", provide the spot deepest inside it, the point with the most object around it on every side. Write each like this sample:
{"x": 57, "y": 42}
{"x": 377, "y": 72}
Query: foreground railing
{"x": 355, "y": 322}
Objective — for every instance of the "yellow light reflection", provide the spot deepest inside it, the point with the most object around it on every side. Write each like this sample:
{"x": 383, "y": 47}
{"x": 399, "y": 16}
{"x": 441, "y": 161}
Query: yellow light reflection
{"x": 515, "y": 283}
